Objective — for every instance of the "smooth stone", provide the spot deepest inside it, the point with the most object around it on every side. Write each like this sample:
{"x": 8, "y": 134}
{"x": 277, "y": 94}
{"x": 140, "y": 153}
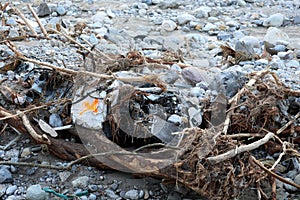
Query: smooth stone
{"x": 132, "y": 194}
{"x": 11, "y": 21}
{"x": 11, "y": 189}
{"x": 43, "y": 10}
{"x": 13, "y": 33}
{"x": 241, "y": 3}
{"x": 297, "y": 179}
{"x": 61, "y": 10}
{"x": 251, "y": 41}
{"x": 195, "y": 116}
{"x": 224, "y": 36}
{"x": 80, "y": 182}
{"x": 275, "y": 36}
{"x": 209, "y": 27}
{"x": 92, "y": 197}
{"x": 169, "y": 25}
{"x": 195, "y": 75}
{"x": 275, "y": 20}
{"x": 5, "y": 175}
{"x": 93, "y": 188}
{"x": 288, "y": 187}
{"x": 197, "y": 91}
{"x": 55, "y": 120}
{"x": 175, "y": 119}
{"x": 202, "y": 12}
{"x": 296, "y": 19}
{"x": 111, "y": 194}
{"x": 3, "y": 188}
{"x": 110, "y": 13}
{"x": 293, "y": 63}
{"x": 185, "y": 18}
{"x": 35, "y": 192}
{"x": 176, "y": 68}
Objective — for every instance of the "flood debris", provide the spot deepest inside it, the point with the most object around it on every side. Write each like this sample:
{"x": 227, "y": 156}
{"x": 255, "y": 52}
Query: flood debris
{"x": 136, "y": 114}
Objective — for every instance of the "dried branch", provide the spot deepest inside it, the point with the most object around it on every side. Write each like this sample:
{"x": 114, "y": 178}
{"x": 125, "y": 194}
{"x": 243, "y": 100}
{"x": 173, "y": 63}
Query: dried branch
{"x": 288, "y": 124}
{"x": 82, "y": 46}
{"x": 41, "y": 139}
{"x": 18, "y": 12}
{"x": 274, "y": 174}
{"x": 38, "y": 21}
{"x": 284, "y": 145}
{"x": 240, "y": 149}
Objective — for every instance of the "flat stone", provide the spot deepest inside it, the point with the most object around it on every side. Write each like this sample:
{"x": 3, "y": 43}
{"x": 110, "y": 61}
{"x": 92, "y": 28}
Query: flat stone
{"x": 11, "y": 189}
{"x": 111, "y": 194}
{"x": 132, "y": 194}
{"x": 5, "y": 175}
{"x": 61, "y": 10}
{"x": 35, "y": 192}
{"x": 275, "y": 36}
{"x": 80, "y": 182}
{"x": 275, "y": 20}
{"x": 195, "y": 75}
{"x": 185, "y": 18}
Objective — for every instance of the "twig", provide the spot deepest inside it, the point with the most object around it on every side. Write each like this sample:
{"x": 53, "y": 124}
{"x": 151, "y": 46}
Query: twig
{"x": 42, "y": 139}
{"x": 65, "y": 70}
{"x": 284, "y": 145}
{"x": 274, "y": 174}
{"x": 240, "y": 149}
{"x": 82, "y": 46}
{"x": 38, "y": 21}
{"x": 25, "y": 20}
{"x": 8, "y": 115}
{"x": 273, "y": 193}
{"x": 32, "y": 165}
{"x": 101, "y": 53}
{"x": 288, "y": 124}
{"x": 239, "y": 135}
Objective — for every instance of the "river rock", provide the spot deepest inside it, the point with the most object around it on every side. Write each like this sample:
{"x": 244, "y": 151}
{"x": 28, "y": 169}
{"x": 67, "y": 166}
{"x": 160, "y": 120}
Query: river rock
{"x": 35, "y": 192}
{"x": 132, "y": 194}
{"x": 43, "y": 10}
{"x": 5, "y": 175}
{"x": 202, "y": 12}
{"x": 80, "y": 182}
{"x": 276, "y": 36}
{"x": 275, "y": 20}
{"x": 169, "y": 25}
{"x": 185, "y": 18}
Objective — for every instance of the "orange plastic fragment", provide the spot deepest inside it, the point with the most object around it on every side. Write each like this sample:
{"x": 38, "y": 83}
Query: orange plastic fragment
{"x": 90, "y": 106}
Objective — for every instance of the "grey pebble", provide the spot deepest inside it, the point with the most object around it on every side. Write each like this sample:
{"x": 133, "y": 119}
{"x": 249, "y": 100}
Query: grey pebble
{"x": 195, "y": 75}
{"x": 111, "y": 194}
{"x": 43, "y": 10}
{"x": 132, "y": 194}
{"x": 92, "y": 197}
{"x": 5, "y": 175}
{"x": 61, "y": 10}
{"x": 275, "y": 20}
{"x": 11, "y": 189}
{"x": 80, "y": 182}
{"x": 93, "y": 188}
{"x": 35, "y": 192}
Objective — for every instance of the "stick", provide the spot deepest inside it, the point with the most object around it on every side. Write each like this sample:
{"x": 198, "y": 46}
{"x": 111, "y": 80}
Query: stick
{"x": 42, "y": 139}
{"x": 25, "y": 20}
{"x": 38, "y": 21}
{"x": 82, "y": 46}
{"x": 240, "y": 149}
{"x": 287, "y": 124}
{"x": 284, "y": 145}
{"x": 274, "y": 174}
